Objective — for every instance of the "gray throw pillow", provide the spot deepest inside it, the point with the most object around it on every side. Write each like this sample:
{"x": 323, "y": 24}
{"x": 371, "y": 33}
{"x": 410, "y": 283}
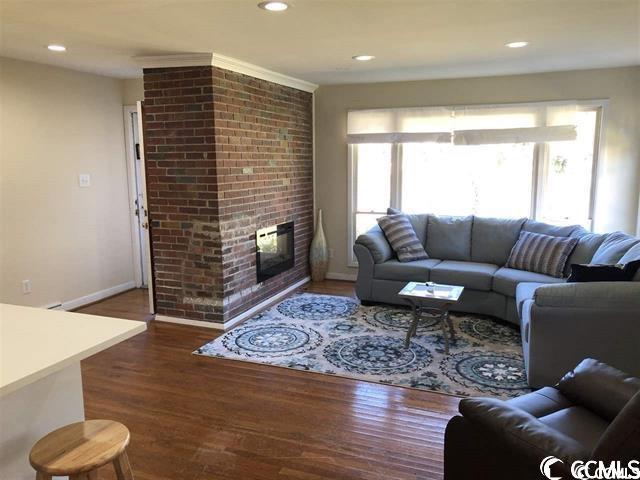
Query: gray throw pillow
{"x": 535, "y": 252}
{"x": 418, "y": 221}
{"x": 402, "y": 238}
{"x": 449, "y": 238}
{"x": 613, "y": 248}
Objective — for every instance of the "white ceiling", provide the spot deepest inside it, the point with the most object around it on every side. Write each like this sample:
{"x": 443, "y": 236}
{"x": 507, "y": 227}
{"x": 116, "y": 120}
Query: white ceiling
{"x": 315, "y": 39}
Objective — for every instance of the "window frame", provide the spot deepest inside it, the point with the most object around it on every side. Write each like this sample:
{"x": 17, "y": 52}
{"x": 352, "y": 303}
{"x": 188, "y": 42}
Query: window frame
{"x": 540, "y": 163}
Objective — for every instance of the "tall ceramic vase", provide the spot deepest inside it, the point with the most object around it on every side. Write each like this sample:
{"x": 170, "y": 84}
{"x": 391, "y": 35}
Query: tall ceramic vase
{"x": 319, "y": 253}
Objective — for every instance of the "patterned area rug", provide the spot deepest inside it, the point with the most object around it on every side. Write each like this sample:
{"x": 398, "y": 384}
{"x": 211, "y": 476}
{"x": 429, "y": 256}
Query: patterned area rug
{"x": 337, "y": 336}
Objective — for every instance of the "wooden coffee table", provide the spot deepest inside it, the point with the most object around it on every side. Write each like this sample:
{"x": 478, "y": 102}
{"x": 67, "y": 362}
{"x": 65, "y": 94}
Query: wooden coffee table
{"x": 428, "y": 301}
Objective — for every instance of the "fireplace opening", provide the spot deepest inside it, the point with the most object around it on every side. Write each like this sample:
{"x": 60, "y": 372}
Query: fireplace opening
{"x": 274, "y": 250}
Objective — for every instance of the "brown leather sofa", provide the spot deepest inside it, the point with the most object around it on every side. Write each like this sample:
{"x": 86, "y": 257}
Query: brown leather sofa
{"x": 593, "y": 413}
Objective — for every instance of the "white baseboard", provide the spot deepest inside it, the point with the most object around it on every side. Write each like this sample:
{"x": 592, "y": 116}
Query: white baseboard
{"x": 262, "y": 305}
{"x": 97, "y": 296}
{"x": 186, "y": 321}
{"x": 350, "y": 277}
{"x": 240, "y": 318}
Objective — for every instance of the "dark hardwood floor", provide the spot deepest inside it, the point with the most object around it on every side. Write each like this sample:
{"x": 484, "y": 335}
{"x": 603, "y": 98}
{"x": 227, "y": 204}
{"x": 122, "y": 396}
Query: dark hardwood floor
{"x": 199, "y": 418}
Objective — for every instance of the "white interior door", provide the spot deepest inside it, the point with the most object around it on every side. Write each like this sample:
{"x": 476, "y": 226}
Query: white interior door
{"x": 138, "y": 199}
{"x": 144, "y": 209}
{"x": 141, "y": 214}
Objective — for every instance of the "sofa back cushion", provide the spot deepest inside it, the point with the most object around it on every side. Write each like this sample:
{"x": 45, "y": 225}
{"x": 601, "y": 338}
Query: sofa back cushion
{"x": 632, "y": 254}
{"x": 598, "y": 387}
{"x": 587, "y": 245}
{"x": 493, "y": 238}
{"x": 548, "y": 229}
{"x": 417, "y": 220}
{"x": 621, "y": 441}
{"x": 449, "y": 238}
{"x": 402, "y": 238}
{"x": 535, "y": 252}
{"x": 614, "y": 247}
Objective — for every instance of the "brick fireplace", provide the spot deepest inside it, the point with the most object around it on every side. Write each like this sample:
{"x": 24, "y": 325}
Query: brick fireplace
{"x": 227, "y": 154}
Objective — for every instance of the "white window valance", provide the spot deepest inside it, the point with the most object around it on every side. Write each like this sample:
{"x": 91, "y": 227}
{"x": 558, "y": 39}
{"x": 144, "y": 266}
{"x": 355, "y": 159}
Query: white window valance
{"x": 558, "y": 133}
{"x": 400, "y": 137}
{"x": 477, "y": 125}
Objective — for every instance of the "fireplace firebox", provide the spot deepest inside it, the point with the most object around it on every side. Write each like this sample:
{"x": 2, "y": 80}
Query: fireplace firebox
{"x": 274, "y": 250}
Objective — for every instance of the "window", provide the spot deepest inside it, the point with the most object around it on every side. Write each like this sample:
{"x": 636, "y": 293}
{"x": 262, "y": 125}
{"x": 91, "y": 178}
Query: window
{"x": 533, "y": 160}
{"x": 460, "y": 180}
{"x": 373, "y": 187}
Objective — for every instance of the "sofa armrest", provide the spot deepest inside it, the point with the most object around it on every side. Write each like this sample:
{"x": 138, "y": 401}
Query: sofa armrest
{"x": 598, "y": 387}
{"x": 597, "y": 295}
{"x": 521, "y": 431}
{"x": 377, "y": 244}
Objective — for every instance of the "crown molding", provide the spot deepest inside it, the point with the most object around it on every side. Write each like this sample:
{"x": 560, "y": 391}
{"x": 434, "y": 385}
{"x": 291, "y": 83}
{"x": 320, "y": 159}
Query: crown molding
{"x": 227, "y": 63}
{"x": 178, "y": 60}
{"x": 235, "y": 65}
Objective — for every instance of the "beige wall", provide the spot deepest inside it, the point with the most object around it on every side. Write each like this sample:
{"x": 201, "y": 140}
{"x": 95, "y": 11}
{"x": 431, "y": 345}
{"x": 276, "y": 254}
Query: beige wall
{"x": 619, "y": 170}
{"x": 69, "y": 241}
{"x": 132, "y": 91}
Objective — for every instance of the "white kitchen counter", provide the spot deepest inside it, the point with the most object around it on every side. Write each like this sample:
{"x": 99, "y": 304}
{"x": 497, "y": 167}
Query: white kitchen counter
{"x": 40, "y": 378}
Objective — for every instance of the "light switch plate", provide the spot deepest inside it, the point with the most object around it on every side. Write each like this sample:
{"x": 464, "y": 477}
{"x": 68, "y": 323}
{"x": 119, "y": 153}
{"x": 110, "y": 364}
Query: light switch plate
{"x": 84, "y": 180}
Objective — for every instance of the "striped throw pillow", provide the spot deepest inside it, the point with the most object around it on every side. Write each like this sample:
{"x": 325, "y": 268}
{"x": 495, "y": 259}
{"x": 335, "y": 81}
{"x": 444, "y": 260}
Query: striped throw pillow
{"x": 402, "y": 238}
{"x": 535, "y": 252}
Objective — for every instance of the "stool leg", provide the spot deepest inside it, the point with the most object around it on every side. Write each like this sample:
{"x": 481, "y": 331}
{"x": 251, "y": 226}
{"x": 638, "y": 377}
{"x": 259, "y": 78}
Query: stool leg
{"x": 42, "y": 476}
{"x": 122, "y": 467}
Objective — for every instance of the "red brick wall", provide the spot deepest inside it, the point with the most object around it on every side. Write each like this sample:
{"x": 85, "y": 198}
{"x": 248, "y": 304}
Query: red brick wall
{"x": 226, "y": 154}
{"x": 265, "y": 176}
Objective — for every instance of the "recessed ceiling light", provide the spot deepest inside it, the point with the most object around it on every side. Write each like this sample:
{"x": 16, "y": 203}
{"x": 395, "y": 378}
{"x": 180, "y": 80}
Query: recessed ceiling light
{"x": 363, "y": 58}
{"x": 57, "y": 48}
{"x": 516, "y": 44}
{"x": 274, "y": 6}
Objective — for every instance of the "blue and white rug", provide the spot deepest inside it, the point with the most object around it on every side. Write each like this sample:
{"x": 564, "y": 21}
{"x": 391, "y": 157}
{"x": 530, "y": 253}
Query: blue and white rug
{"x": 337, "y": 336}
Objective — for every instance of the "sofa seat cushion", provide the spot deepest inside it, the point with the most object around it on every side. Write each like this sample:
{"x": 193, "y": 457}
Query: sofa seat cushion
{"x": 578, "y": 423}
{"x": 506, "y": 280}
{"x": 477, "y": 276}
{"x": 416, "y": 271}
{"x": 524, "y": 292}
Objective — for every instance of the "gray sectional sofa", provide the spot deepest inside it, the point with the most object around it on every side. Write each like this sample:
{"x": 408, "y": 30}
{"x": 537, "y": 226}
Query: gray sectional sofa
{"x": 561, "y": 323}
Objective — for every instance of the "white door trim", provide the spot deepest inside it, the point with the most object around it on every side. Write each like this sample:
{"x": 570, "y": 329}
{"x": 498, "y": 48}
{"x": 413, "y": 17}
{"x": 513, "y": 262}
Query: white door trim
{"x": 136, "y": 247}
{"x": 145, "y": 206}
{"x": 136, "y": 231}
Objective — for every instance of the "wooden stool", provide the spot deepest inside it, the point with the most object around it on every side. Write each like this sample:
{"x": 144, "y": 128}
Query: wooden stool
{"x": 79, "y": 449}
